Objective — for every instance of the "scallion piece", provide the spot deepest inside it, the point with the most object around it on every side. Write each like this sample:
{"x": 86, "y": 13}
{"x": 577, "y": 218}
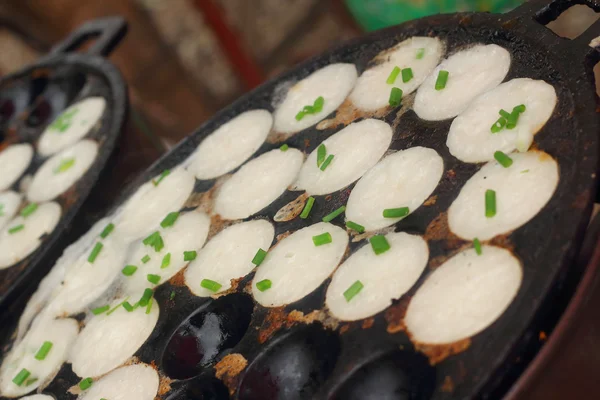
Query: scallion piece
{"x": 327, "y": 161}
{"x": 263, "y": 285}
{"x": 318, "y": 104}
{"x": 407, "y": 74}
{"x": 129, "y": 270}
{"x": 28, "y": 210}
{"x": 334, "y": 214}
{"x": 512, "y": 120}
{"x": 189, "y": 255}
{"x": 321, "y": 154}
{"x": 128, "y": 306}
{"x": 64, "y": 165}
{"x": 354, "y": 226}
{"x": 166, "y": 261}
{"x": 300, "y": 115}
{"x": 259, "y": 257}
{"x": 16, "y": 229}
{"x": 395, "y": 212}
{"x": 504, "y": 114}
{"x": 115, "y": 308}
{"x": 149, "y": 306}
{"x": 162, "y": 176}
{"x": 86, "y": 383}
{"x": 284, "y": 147}
{"x": 395, "y": 97}
{"x": 477, "y": 246}
{"x": 307, "y": 207}
{"x": 420, "y": 53}
{"x": 525, "y": 171}
{"x": 210, "y": 285}
{"x": 498, "y": 125}
{"x": 95, "y": 251}
{"x": 442, "y": 80}
{"x": 153, "y": 278}
{"x": 146, "y": 297}
{"x": 107, "y": 230}
{"x": 379, "y": 244}
{"x": 520, "y": 108}
{"x": 503, "y": 159}
{"x": 172, "y": 295}
{"x": 154, "y": 240}
{"x": 393, "y": 75}
{"x": 30, "y": 381}
{"x": 100, "y": 310}
{"x": 490, "y": 203}
{"x": 170, "y": 219}
{"x": 146, "y": 258}
{"x": 323, "y": 238}
{"x": 43, "y": 351}
{"x": 21, "y": 377}
{"x": 353, "y": 290}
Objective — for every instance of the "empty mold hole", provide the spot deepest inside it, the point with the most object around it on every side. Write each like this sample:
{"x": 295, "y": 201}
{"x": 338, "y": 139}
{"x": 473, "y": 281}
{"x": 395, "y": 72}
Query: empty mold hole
{"x": 573, "y": 21}
{"x": 201, "y": 388}
{"x": 292, "y": 366}
{"x": 211, "y": 330}
{"x": 399, "y": 375}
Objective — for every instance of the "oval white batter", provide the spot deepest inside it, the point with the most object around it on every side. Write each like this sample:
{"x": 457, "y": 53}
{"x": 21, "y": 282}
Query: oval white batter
{"x": 470, "y": 138}
{"x": 152, "y": 202}
{"x": 133, "y": 382}
{"x": 296, "y": 267}
{"x": 384, "y": 277}
{"x": 9, "y": 205}
{"x": 14, "y": 161}
{"x": 522, "y": 190}
{"x": 16, "y": 246}
{"x": 38, "y": 397}
{"x": 464, "y": 296}
{"x": 333, "y": 82}
{"x": 372, "y": 90}
{"x": 403, "y": 179}
{"x": 356, "y": 148}
{"x": 107, "y": 341}
{"x": 61, "y": 333}
{"x": 258, "y": 183}
{"x": 231, "y": 144}
{"x": 62, "y": 170}
{"x": 471, "y": 72}
{"x": 229, "y": 255}
{"x": 188, "y": 233}
{"x": 71, "y": 125}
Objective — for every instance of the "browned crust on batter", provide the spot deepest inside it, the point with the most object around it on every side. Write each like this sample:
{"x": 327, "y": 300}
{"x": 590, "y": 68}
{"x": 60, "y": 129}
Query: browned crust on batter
{"x": 292, "y": 209}
{"x": 439, "y": 352}
{"x": 348, "y": 113}
{"x": 229, "y": 369}
{"x": 394, "y": 315}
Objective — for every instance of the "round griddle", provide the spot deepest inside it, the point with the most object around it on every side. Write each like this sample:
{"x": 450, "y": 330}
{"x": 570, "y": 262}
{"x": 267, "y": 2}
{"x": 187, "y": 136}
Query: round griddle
{"x": 298, "y": 351}
{"x": 31, "y": 98}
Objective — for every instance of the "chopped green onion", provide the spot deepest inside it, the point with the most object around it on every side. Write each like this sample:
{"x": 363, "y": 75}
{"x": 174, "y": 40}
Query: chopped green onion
{"x": 503, "y": 159}
{"x": 284, "y": 147}
{"x": 128, "y": 306}
{"x": 146, "y": 297}
{"x": 28, "y": 210}
{"x": 498, "y": 125}
{"x": 525, "y": 171}
{"x": 21, "y": 377}
{"x": 490, "y": 203}
{"x": 520, "y": 108}
{"x": 334, "y": 214}
{"x": 100, "y": 310}
{"x": 64, "y": 165}
{"x": 149, "y": 306}
{"x": 379, "y": 244}
{"x": 172, "y": 296}
{"x": 353, "y": 290}
{"x": 442, "y": 79}
{"x": 170, "y": 219}
{"x": 307, "y": 207}
{"x": 327, "y": 161}
{"x": 259, "y": 257}
{"x": 395, "y": 97}
{"x": 189, "y": 255}
{"x": 129, "y": 270}
{"x": 166, "y": 261}
{"x": 95, "y": 251}
{"x": 300, "y": 115}
{"x": 146, "y": 258}
{"x": 420, "y": 53}
{"x": 210, "y": 285}
{"x": 43, "y": 351}
{"x": 308, "y": 110}
{"x": 357, "y": 227}
{"x": 395, "y": 212}
{"x": 322, "y": 239}
{"x": 263, "y": 285}
{"x": 86, "y": 383}
{"x": 477, "y": 246}
{"x": 30, "y": 381}
{"x": 318, "y": 104}
{"x": 155, "y": 241}
{"x": 504, "y": 114}
{"x": 16, "y": 229}
{"x": 152, "y": 278}
{"x": 107, "y": 230}
{"x": 321, "y": 154}
{"x": 393, "y": 75}
{"x": 511, "y": 122}
{"x": 407, "y": 74}
{"x": 115, "y": 308}
{"x": 162, "y": 176}
{"x": 315, "y": 108}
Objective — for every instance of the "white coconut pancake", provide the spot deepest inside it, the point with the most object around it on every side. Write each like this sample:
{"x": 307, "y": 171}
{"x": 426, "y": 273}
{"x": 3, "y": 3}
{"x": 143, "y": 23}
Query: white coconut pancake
{"x": 296, "y": 266}
{"x": 470, "y": 138}
{"x": 9, "y": 205}
{"x": 71, "y": 125}
{"x": 471, "y": 72}
{"x": 38, "y": 397}
{"x": 229, "y": 255}
{"x": 107, "y": 341}
{"x": 402, "y": 179}
{"x": 133, "y": 382}
{"x": 231, "y": 144}
{"x": 22, "y": 235}
{"x": 333, "y": 82}
{"x": 152, "y": 202}
{"x": 463, "y": 296}
{"x": 14, "y": 161}
{"x": 62, "y": 170}
{"x": 258, "y": 183}
{"x": 522, "y": 190}
{"x": 420, "y": 54}
{"x": 384, "y": 277}
{"x": 188, "y": 233}
{"x": 355, "y": 149}
{"x": 61, "y": 333}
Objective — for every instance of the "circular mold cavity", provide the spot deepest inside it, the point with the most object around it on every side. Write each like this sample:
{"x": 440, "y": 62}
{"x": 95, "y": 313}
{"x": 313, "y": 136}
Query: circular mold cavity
{"x": 201, "y": 388}
{"x": 399, "y": 375}
{"x": 206, "y": 334}
{"x": 293, "y": 366}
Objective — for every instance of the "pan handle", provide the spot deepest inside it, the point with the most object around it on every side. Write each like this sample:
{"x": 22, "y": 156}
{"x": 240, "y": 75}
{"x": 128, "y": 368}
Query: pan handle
{"x": 108, "y": 32}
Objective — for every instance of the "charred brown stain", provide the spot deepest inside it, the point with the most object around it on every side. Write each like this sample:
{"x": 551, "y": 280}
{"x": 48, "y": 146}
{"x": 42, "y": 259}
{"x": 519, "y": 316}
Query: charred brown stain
{"x": 394, "y": 315}
{"x": 448, "y": 385}
{"x": 306, "y": 143}
{"x": 70, "y": 197}
{"x": 439, "y": 352}
{"x": 344, "y": 329}
{"x": 283, "y": 235}
{"x": 229, "y": 369}
{"x": 217, "y": 224}
{"x": 277, "y": 318}
{"x": 178, "y": 279}
{"x": 430, "y": 201}
{"x": 277, "y": 137}
{"x": 367, "y": 323}
{"x": 502, "y": 241}
{"x": 348, "y": 113}
{"x": 292, "y": 209}
{"x": 438, "y": 229}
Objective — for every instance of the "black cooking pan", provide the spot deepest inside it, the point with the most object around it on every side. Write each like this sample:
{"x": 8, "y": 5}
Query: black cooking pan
{"x": 288, "y": 356}
{"x": 29, "y": 101}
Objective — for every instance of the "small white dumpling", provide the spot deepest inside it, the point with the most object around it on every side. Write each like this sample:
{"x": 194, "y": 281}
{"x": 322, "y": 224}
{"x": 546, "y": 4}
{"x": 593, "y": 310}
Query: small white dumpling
{"x": 132, "y": 382}
{"x": 333, "y": 82}
{"x": 14, "y": 161}
{"x": 9, "y": 205}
